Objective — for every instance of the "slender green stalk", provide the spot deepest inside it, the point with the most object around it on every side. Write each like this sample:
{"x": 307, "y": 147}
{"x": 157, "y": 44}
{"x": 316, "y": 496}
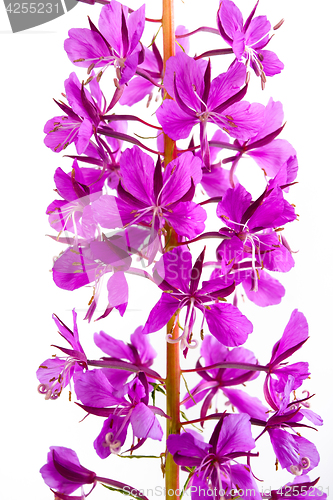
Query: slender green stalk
{"x": 173, "y": 367}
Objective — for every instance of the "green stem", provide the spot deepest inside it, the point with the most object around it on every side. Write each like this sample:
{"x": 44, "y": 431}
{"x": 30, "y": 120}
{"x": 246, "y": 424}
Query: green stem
{"x": 173, "y": 367}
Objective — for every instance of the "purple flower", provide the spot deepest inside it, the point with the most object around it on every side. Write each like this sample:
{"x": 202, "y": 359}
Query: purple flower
{"x": 96, "y": 391}
{"x": 214, "y": 471}
{"x": 139, "y": 353}
{"x": 116, "y": 43}
{"x": 180, "y": 281}
{"x": 197, "y": 99}
{"x": 295, "y": 453}
{"x": 86, "y": 263}
{"x": 77, "y": 188}
{"x": 55, "y": 373}
{"x": 215, "y": 379}
{"x": 271, "y": 154}
{"x": 253, "y": 224}
{"x": 81, "y": 119}
{"x": 63, "y": 471}
{"x": 148, "y": 196}
{"x": 248, "y": 39}
{"x": 294, "y": 336}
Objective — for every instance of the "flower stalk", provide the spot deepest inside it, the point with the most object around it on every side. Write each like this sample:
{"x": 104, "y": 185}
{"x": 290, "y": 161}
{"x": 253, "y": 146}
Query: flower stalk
{"x": 173, "y": 365}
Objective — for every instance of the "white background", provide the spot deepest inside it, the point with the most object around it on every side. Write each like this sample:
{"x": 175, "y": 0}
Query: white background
{"x": 33, "y": 69}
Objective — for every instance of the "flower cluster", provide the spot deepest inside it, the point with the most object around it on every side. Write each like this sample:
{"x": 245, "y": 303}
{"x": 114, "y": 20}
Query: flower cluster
{"x": 124, "y": 207}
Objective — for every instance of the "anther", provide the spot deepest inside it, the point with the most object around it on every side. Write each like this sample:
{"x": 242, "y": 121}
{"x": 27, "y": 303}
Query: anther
{"x": 278, "y": 25}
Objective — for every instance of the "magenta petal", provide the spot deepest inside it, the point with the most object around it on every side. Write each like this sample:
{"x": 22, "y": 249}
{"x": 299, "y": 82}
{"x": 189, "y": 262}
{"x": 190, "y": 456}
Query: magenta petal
{"x": 129, "y": 69}
{"x": 231, "y": 18}
{"x": 228, "y": 324}
{"x": 188, "y": 219}
{"x": 246, "y": 403}
{"x": 110, "y": 24}
{"x": 175, "y": 268}
{"x": 135, "y": 91}
{"x": 271, "y": 63}
{"x": 137, "y": 170}
{"x": 175, "y": 122}
{"x": 83, "y": 137}
{"x": 111, "y": 212}
{"x": 243, "y": 478}
{"x": 296, "y": 331}
{"x": 145, "y": 423}
{"x": 141, "y": 343}
{"x": 161, "y": 313}
{"x": 110, "y": 437}
{"x": 94, "y": 389}
{"x": 61, "y": 131}
{"x": 273, "y": 155}
{"x": 270, "y": 291}
{"x": 285, "y": 447}
{"x": 177, "y": 177}
{"x": 246, "y": 120}
{"x": 118, "y": 292}
{"x": 113, "y": 347}
{"x": 307, "y": 450}
{"x": 238, "y": 45}
{"x": 213, "y": 352}
{"x": 257, "y": 31}
{"x": 189, "y": 444}
{"x": 86, "y": 44}
{"x": 235, "y": 435}
{"x": 189, "y": 78}
{"x": 73, "y": 94}
{"x": 233, "y": 205}
{"x": 226, "y": 85}
{"x": 312, "y": 416}
{"x": 136, "y": 24}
